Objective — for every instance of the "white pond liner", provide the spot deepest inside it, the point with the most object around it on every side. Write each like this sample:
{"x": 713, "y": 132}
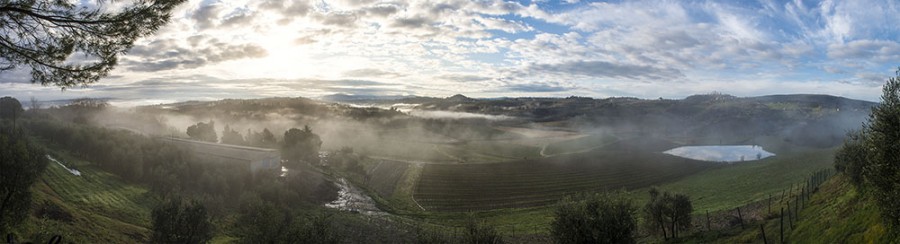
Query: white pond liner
{"x": 726, "y": 154}
{"x": 73, "y": 171}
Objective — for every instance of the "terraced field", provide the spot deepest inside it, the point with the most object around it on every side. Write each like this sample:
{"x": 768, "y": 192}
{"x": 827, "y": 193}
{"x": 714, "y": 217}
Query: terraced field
{"x": 386, "y": 175}
{"x": 528, "y": 183}
{"x": 99, "y": 205}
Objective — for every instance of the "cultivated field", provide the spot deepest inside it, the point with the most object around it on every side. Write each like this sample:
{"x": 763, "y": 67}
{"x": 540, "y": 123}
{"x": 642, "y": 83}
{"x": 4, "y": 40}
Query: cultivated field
{"x": 538, "y": 182}
{"x": 386, "y": 176}
{"x": 95, "y": 206}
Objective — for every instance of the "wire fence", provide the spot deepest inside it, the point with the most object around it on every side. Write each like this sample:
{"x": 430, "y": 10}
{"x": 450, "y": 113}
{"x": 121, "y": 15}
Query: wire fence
{"x": 785, "y": 207}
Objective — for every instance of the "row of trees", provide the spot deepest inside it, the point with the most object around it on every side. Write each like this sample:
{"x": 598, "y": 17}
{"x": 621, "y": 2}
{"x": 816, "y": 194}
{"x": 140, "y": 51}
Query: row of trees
{"x": 297, "y": 145}
{"x": 871, "y": 155}
{"x": 206, "y": 132}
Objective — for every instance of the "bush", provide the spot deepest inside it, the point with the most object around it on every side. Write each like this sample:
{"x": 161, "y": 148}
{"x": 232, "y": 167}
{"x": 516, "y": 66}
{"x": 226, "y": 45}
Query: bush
{"x": 601, "y": 218}
{"x": 480, "y": 233}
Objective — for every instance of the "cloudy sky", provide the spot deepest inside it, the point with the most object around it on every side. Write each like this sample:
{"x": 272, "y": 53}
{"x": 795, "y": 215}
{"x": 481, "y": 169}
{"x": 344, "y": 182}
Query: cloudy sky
{"x": 493, "y": 48}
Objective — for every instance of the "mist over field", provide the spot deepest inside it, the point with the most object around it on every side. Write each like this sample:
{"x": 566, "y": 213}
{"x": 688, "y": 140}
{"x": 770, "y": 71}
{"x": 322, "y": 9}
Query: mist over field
{"x": 449, "y": 121}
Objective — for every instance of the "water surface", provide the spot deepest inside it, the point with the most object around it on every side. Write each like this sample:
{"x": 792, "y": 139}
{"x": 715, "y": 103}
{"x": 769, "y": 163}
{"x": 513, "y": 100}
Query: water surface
{"x": 729, "y": 154}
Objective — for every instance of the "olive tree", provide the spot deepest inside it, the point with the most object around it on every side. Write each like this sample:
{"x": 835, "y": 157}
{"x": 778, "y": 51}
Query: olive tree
{"x": 601, "y": 218}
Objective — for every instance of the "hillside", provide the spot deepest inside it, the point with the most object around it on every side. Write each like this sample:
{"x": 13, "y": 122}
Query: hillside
{"x": 836, "y": 213}
{"x": 808, "y": 120}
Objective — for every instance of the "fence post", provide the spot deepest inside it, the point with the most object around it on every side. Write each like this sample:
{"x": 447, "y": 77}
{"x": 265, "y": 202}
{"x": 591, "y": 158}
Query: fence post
{"x": 740, "y": 217}
{"x": 762, "y": 229}
{"x": 708, "y": 228}
{"x": 790, "y": 218}
{"x": 782, "y": 195}
{"x": 781, "y": 237}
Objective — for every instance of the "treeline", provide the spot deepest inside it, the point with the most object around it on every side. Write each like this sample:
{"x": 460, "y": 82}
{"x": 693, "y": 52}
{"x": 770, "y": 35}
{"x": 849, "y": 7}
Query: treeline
{"x": 871, "y": 155}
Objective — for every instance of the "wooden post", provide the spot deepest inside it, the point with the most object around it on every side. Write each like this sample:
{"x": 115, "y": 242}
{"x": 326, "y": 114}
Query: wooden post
{"x": 782, "y": 195}
{"x": 708, "y": 228}
{"x": 762, "y": 229}
{"x": 790, "y": 218}
{"x": 740, "y": 217}
{"x": 781, "y": 237}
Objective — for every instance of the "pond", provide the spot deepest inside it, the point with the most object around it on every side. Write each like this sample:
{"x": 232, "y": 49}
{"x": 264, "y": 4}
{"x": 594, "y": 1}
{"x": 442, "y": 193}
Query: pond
{"x": 728, "y": 154}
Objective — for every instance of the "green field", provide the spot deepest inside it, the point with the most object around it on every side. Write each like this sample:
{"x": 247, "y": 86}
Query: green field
{"x": 588, "y": 142}
{"x": 530, "y": 183}
{"x": 94, "y": 207}
{"x": 743, "y": 183}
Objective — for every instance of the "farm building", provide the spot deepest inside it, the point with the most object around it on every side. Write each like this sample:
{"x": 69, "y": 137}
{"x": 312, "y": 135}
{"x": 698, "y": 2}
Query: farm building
{"x": 254, "y": 157}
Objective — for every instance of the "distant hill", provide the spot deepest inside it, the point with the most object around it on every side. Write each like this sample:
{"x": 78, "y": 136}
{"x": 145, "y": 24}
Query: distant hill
{"x": 340, "y": 97}
{"x": 801, "y": 119}
{"x": 812, "y": 120}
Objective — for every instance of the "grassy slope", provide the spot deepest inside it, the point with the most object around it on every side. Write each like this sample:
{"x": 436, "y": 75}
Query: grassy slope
{"x": 838, "y": 213}
{"x": 103, "y": 208}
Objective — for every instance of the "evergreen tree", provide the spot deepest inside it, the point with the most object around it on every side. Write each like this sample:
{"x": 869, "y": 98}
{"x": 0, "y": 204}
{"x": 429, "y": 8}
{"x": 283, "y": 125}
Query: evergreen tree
{"x": 42, "y": 36}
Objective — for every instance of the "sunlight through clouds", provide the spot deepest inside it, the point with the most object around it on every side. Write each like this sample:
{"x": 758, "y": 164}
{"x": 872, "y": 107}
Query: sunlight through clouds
{"x": 513, "y": 48}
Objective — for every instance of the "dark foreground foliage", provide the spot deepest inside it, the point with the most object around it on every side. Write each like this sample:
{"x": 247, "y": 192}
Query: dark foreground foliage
{"x": 871, "y": 156}
{"x": 600, "y": 218}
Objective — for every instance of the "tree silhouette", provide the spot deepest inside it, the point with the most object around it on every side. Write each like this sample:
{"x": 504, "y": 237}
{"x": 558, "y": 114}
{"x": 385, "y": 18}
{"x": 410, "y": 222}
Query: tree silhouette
{"x": 21, "y": 163}
{"x": 667, "y": 213}
{"x": 203, "y": 131}
{"x": 65, "y": 44}
{"x": 178, "y": 222}
{"x": 301, "y": 145}
{"x": 600, "y": 218}
{"x": 10, "y": 108}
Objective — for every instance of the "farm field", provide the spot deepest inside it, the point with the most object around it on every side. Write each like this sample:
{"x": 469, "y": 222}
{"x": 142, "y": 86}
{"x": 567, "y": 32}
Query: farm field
{"x": 95, "y": 206}
{"x": 742, "y": 183}
{"x": 584, "y": 143}
{"x": 531, "y": 183}
{"x": 386, "y": 176}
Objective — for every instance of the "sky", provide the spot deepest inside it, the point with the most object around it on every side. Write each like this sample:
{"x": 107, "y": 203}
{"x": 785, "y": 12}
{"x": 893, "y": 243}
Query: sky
{"x": 646, "y": 49}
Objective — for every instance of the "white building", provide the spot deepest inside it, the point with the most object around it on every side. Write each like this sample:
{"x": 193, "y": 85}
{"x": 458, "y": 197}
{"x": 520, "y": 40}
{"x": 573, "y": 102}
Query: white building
{"x": 255, "y": 158}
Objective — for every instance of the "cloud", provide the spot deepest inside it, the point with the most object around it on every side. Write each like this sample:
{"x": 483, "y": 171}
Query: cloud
{"x": 603, "y": 69}
{"x": 443, "y": 47}
{"x": 370, "y": 72}
{"x": 877, "y": 50}
{"x": 464, "y": 77}
{"x": 538, "y": 88}
{"x": 344, "y": 19}
{"x": 167, "y": 54}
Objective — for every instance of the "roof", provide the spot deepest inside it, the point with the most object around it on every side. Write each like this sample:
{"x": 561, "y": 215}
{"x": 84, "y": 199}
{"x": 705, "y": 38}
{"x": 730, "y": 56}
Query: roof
{"x": 225, "y": 150}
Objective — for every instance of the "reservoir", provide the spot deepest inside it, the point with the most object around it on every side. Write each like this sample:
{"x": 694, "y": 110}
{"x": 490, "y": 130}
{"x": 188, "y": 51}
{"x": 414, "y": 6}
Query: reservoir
{"x": 728, "y": 154}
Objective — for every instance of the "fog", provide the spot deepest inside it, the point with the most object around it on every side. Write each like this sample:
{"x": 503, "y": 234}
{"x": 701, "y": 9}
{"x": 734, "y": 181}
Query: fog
{"x": 408, "y": 132}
